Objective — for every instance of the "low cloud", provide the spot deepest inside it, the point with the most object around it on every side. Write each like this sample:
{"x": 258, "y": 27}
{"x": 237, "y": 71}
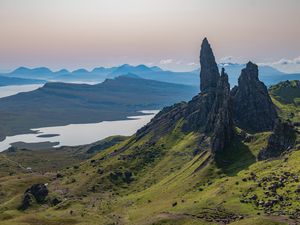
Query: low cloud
{"x": 193, "y": 64}
{"x": 285, "y": 65}
{"x": 233, "y": 59}
{"x": 166, "y": 61}
{"x": 294, "y": 61}
{"x": 227, "y": 59}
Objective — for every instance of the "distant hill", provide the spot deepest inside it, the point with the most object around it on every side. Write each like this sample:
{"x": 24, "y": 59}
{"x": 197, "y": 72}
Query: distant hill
{"x": 5, "y": 81}
{"x": 286, "y": 95}
{"x": 62, "y": 103}
{"x": 268, "y": 74}
{"x": 287, "y": 92}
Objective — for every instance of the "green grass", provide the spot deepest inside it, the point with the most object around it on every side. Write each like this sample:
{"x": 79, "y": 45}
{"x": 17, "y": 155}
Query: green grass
{"x": 286, "y": 96}
{"x": 201, "y": 196}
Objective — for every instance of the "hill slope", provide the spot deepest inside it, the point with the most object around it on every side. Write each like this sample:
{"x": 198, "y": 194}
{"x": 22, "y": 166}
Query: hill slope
{"x": 61, "y": 103}
{"x": 286, "y": 96}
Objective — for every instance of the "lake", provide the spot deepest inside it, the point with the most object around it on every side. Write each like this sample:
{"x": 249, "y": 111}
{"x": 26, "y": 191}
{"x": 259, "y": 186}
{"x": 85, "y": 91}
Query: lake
{"x": 15, "y": 89}
{"x": 80, "y": 134}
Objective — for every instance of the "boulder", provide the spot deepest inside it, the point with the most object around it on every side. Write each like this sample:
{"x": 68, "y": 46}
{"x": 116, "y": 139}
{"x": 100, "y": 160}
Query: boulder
{"x": 37, "y": 192}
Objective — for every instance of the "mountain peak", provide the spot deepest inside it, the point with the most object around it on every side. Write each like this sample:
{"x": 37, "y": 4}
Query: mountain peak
{"x": 63, "y": 71}
{"x": 250, "y": 72}
{"x": 205, "y": 41}
{"x": 80, "y": 71}
{"x": 38, "y": 70}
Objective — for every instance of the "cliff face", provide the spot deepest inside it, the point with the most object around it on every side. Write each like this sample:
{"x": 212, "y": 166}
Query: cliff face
{"x": 253, "y": 107}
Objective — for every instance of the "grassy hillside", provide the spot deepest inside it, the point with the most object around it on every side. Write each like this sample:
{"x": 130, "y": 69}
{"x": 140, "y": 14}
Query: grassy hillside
{"x": 286, "y": 95}
{"x": 17, "y": 160}
{"x": 169, "y": 185}
{"x": 162, "y": 179}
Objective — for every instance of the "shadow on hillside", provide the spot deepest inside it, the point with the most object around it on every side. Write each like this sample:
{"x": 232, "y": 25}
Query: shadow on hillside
{"x": 235, "y": 158}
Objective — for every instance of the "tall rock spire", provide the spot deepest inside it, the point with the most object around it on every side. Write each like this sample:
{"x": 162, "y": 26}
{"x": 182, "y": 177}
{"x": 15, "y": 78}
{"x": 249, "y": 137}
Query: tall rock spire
{"x": 209, "y": 74}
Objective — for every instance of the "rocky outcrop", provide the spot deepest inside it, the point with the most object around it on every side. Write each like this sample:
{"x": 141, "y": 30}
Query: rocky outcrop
{"x": 210, "y": 112}
{"x": 253, "y": 107}
{"x": 282, "y": 139}
{"x": 37, "y": 192}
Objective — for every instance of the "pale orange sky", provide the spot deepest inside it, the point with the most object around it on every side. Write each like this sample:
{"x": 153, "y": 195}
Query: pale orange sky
{"x": 88, "y": 33}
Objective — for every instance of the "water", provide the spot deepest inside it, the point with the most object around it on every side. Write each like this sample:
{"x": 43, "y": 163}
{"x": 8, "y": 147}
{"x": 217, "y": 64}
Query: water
{"x": 15, "y": 89}
{"x": 80, "y": 134}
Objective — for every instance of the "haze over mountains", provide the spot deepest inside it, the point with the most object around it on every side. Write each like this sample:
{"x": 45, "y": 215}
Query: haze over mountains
{"x": 269, "y": 75}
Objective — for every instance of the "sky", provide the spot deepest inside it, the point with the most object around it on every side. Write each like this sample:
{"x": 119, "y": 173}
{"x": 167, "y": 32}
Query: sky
{"x": 89, "y": 33}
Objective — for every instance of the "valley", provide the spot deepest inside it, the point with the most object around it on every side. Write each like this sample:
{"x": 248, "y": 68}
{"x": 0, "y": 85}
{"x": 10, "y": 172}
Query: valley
{"x": 59, "y": 104}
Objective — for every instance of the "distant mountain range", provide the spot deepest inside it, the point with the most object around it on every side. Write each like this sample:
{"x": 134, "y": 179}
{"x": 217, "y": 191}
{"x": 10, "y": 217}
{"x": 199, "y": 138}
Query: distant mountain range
{"x": 57, "y": 104}
{"x": 268, "y": 75}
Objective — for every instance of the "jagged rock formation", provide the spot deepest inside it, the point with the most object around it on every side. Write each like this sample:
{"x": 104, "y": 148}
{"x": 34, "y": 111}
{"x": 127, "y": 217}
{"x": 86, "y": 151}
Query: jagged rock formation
{"x": 253, "y": 107}
{"x": 216, "y": 110}
{"x": 200, "y": 107}
{"x": 282, "y": 139}
{"x": 210, "y": 112}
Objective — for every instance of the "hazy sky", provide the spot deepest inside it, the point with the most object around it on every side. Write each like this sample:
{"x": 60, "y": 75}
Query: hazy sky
{"x": 88, "y": 33}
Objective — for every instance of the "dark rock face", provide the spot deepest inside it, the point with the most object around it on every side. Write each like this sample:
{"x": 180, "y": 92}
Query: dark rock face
{"x": 37, "y": 192}
{"x": 209, "y": 74}
{"x": 220, "y": 118}
{"x": 253, "y": 107}
{"x": 282, "y": 139}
